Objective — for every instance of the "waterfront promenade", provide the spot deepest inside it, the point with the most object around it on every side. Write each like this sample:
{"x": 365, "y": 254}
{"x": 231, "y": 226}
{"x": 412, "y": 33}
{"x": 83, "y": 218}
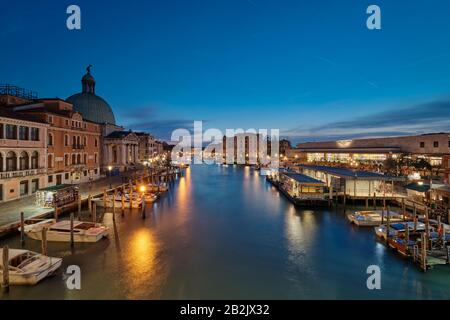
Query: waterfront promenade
{"x": 10, "y": 211}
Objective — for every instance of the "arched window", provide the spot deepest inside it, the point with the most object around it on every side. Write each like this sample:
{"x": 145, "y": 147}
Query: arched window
{"x": 74, "y": 158}
{"x": 66, "y": 160}
{"x": 78, "y": 141}
{"x": 74, "y": 141}
{"x": 50, "y": 161}
{"x": 85, "y": 141}
{"x": 50, "y": 139}
{"x": 85, "y": 158}
{"x": 96, "y": 142}
{"x": 66, "y": 140}
{"x": 11, "y": 161}
{"x": 1, "y": 162}
{"x": 79, "y": 158}
{"x": 35, "y": 160}
{"x": 23, "y": 161}
{"x": 95, "y": 158}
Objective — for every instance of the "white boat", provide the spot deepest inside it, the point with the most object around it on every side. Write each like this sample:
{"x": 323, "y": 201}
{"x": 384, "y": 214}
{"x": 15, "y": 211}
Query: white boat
{"x": 150, "y": 197}
{"x": 158, "y": 187}
{"x": 396, "y": 228}
{"x": 28, "y": 267}
{"x": 117, "y": 202}
{"x": 60, "y": 231}
{"x": 372, "y": 218}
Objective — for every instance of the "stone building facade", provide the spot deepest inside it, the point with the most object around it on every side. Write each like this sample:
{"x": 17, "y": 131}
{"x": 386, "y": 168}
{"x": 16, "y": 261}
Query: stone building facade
{"x": 73, "y": 144}
{"x": 23, "y": 153}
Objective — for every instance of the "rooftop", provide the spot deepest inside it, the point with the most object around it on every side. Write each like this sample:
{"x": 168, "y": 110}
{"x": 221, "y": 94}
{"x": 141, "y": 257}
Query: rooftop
{"x": 6, "y": 113}
{"x": 418, "y": 187}
{"x": 302, "y": 178}
{"x": 348, "y": 173}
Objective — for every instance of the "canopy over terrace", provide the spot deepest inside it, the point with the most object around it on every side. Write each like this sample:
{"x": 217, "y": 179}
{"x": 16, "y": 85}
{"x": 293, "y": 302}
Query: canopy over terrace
{"x": 355, "y": 183}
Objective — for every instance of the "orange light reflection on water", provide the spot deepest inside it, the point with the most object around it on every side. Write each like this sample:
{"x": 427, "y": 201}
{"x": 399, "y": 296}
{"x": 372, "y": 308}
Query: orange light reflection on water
{"x": 143, "y": 272}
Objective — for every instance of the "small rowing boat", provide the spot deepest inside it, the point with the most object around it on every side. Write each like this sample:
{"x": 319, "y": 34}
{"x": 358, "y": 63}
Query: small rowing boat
{"x": 27, "y": 267}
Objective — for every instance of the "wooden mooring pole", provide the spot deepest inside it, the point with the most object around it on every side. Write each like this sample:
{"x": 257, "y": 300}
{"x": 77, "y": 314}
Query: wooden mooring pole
{"x": 104, "y": 198}
{"x": 22, "y": 229}
{"x": 424, "y": 252}
{"x": 5, "y": 280}
{"x": 79, "y": 208}
{"x": 403, "y": 209}
{"x": 143, "y": 207}
{"x": 90, "y": 204}
{"x": 44, "y": 241}
{"x": 123, "y": 202}
{"x": 114, "y": 206}
{"x": 388, "y": 224}
{"x": 427, "y": 228}
{"x": 94, "y": 212}
{"x": 374, "y": 201}
{"x": 71, "y": 230}
{"x": 131, "y": 197}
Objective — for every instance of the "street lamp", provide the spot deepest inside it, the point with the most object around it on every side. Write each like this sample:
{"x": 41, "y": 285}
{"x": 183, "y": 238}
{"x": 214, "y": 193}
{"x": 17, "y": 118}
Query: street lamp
{"x": 109, "y": 174}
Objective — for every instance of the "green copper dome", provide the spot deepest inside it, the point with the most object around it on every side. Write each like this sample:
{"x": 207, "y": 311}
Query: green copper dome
{"x": 91, "y": 106}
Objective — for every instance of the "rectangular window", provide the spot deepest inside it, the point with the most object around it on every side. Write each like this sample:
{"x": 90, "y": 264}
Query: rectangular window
{"x": 34, "y": 185}
{"x": 2, "y": 137}
{"x": 50, "y": 179}
{"x": 11, "y": 131}
{"x": 34, "y": 134}
{"x": 449, "y": 143}
{"x": 95, "y": 171}
{"x": 50, "y": 119}
{"x": 422, "y": 144}
{"x": 66, "y": 176}
{"x": 85, "y": 173}
{"x": 23, "y": 188}
{"x": 436, "y": 144}
{"x": 23, "y": 133}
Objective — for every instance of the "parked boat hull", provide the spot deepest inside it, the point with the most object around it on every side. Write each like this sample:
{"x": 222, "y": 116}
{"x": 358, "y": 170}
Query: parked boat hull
{"x": 55, "y": 236}
{"x": 31, "y": 278}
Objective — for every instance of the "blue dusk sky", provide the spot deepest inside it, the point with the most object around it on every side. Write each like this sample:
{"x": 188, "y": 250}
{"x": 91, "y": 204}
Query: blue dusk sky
{"x": 309, "y": 68}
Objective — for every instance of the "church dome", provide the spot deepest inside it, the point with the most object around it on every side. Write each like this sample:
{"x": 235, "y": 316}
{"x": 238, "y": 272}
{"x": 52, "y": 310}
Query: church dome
{"x": 91, "y": 106}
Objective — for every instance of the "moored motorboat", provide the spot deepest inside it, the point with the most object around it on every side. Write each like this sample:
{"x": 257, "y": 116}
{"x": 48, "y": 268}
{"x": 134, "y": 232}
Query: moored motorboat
{"x": 60, "y": 231}
{"x": 117, "y": 201}
{"x": 403, "y": 246}
{"x": 27, "y": 267}
{"x": 150, "y": 197}
{"x": 372, "y": 218}
{"x": 398, "y": 227}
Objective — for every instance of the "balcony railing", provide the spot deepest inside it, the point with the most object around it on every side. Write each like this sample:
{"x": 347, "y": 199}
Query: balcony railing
{"x": 78, "y": 146}
{"x": 21, "y": 173}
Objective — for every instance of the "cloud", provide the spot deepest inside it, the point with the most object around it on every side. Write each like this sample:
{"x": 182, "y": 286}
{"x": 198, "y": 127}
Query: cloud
{"x": 418, "y": 119}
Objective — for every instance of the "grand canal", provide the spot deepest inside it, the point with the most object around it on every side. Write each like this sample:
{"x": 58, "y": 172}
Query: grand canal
{"x": 224, "y": 232}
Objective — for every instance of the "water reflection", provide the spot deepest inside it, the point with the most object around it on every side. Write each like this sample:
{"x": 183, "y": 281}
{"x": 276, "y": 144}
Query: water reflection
{"x": 223, "y": 233}
{"x": 143, "y": 272}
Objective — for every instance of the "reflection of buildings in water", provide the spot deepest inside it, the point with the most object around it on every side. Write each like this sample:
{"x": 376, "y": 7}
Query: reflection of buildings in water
{"x": 300, "y": 234}
{"x": 143, "y": 273}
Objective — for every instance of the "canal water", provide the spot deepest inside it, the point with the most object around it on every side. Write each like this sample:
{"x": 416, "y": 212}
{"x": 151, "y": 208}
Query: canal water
{"x": 225, "y": 233}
